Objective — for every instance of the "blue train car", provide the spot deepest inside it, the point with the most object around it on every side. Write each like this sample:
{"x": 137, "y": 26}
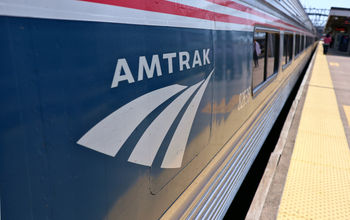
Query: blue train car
{"x": 139, "y": 109}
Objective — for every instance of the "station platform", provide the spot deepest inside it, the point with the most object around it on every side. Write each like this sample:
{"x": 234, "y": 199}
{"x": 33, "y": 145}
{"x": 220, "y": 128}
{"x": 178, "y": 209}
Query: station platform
{"x": 308, "y": 174}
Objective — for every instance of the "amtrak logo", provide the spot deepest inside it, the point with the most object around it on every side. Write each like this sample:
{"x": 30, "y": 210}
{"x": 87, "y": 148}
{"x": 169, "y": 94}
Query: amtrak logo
{"x": 109, "y": 135}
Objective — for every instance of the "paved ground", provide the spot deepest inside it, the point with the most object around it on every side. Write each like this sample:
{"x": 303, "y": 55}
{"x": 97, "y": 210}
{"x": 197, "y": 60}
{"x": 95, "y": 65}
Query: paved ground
{"x": 319, "y": 177}
{"x": 339, "y": 66}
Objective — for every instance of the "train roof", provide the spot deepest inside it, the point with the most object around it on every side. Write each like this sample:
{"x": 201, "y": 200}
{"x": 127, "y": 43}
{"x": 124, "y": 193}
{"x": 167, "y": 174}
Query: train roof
{"x": 291, "y": 10}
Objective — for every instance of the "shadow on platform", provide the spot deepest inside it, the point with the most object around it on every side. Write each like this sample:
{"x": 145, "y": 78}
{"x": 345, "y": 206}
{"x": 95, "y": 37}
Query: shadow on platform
{"x": 336, "y": 52}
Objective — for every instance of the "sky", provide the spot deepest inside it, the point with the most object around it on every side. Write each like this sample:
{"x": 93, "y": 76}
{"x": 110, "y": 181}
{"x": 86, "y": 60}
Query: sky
{"x": 326, "y": 4}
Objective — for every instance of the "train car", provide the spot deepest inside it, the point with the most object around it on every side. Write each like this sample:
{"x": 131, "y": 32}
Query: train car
{"x": 140, "y": 109}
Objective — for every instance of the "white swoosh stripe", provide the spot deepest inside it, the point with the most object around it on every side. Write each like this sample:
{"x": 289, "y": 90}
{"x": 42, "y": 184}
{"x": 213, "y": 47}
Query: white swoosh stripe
{"x": 109, "y": 135}
{"x": 176, "y": 149}
{"x": 149, "y": 144}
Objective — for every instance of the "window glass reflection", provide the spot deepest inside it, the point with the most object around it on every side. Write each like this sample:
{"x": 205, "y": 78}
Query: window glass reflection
{"x": 259, "y": 50}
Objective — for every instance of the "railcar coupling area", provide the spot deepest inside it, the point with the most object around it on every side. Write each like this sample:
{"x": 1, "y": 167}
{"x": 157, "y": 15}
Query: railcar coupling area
{"x": 308, "y": 174}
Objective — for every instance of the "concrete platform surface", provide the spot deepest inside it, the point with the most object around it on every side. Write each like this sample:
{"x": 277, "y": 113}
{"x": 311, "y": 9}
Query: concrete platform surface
{"x": 310, "y": 178}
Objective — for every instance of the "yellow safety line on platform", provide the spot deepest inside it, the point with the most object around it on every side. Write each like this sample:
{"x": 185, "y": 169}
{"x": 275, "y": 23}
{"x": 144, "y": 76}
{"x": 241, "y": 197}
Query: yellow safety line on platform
{"x": 318, "y": 179}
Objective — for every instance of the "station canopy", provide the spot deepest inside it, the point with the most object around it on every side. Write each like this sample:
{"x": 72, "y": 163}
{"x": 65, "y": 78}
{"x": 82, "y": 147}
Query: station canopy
{"x": 338, "y": 26}
{"x": 339, "y": 20}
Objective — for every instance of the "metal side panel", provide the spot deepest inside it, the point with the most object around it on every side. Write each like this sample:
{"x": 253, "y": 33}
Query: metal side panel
{"x": 219, "y": 192}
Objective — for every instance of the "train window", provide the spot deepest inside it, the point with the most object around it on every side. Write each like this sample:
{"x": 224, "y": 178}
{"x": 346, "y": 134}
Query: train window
{"x": 287, "y": 48}
{"x": 265, "y": 56}
{"x": 297, "y": 44}
{"x": 259, "y": 57}
{"x": 272, "y": 54}
{"x": 309, "y": 41}
{"x": 302, "y": 43}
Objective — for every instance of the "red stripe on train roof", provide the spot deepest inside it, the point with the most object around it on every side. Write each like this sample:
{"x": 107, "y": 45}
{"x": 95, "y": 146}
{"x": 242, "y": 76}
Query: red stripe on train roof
{"x": 173, "y": 8}
{"x": 168, "y": 7}
{"x": 240, "y": 7}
